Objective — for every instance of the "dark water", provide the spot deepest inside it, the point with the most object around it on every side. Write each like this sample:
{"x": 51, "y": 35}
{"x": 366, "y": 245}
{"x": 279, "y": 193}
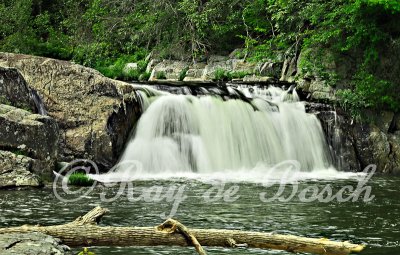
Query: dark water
{"x": 375, "y": 223}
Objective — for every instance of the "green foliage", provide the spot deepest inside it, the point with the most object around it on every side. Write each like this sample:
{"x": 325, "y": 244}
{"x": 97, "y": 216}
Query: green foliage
{"x": 79, "y": 179}
{"x": 370, "y": 92}
{"x": 117, "y": 69}
{"x": 144, "y": 76}
{"x": 19, "y": 152}
{"x": 86, "y": 252}
{"x": 182, "y": 73}
{"x": 107, "y": 34}
{"x": 160, "y": 75}
{"x": 326, "y": 31}
{"x": 222, "y": 75}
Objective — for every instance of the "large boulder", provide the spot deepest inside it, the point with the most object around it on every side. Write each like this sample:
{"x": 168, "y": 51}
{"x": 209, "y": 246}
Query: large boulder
{"x": 95, "y": 114}
{"x": 378, "y": 142}
{"x": 31, "y": 244}
{"x": 36, "y": 134}
{"x": 30, "y": 134}
{"x": 355, "y": 144}
{"x": 195, "y": 72}
{"x": 373, "y": 147}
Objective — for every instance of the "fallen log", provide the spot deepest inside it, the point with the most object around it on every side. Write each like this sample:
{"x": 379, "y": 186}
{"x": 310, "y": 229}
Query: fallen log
{"x": 85, "y": 231}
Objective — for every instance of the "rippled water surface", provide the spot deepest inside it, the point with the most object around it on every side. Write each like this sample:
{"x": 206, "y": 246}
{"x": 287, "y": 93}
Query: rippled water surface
{"x": 375, "y": 223}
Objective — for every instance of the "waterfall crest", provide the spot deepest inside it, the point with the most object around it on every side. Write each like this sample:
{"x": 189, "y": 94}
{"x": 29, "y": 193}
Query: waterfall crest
{"x": 185, "y": 133}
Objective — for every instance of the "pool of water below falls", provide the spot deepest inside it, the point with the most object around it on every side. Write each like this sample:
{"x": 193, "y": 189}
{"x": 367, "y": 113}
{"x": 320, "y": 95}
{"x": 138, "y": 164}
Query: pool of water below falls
{"x": 374, "y": 223}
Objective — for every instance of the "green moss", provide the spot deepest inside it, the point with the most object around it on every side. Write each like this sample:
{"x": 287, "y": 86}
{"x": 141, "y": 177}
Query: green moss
{"x": 79, "y": 179}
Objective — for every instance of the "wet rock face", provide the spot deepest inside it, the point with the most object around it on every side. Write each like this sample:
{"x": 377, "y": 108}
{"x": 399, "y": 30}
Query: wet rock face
{"x": 31, "y": 244}
{"x": 340, "y": 141}
{"x": 14, "y": 90}
{"x": 355, "y": 145}
{"x": 85, "y": 105}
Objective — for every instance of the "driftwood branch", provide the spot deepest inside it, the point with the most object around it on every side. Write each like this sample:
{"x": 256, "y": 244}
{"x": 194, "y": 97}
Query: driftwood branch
{"x": 172, "y": 226}
{"x": 84, "y": 231}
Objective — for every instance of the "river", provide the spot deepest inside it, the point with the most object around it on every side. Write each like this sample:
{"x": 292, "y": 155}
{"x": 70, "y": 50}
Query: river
{"x": 374, "y": 223}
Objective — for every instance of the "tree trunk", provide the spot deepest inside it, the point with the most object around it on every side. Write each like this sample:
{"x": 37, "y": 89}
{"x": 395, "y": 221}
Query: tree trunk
{"x": 84, "y": 231}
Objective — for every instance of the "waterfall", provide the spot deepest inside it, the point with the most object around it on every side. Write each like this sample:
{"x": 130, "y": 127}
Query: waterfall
{"x": 185, "y": 133}
{"x": 38, "y": 102}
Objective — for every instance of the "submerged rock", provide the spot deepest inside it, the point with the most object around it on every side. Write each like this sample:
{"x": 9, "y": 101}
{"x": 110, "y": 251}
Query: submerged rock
{"x": 95, "y": 114}
{"x": 31, "y": 244}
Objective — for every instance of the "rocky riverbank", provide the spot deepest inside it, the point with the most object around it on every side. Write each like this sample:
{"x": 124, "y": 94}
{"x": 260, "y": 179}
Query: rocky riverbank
{"x": 31, "y": 243}
{"x": 56, "y": 111}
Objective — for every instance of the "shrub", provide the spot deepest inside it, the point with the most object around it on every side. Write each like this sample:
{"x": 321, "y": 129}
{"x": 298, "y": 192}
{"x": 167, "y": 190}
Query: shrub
{"x": 369, "y": 92}
{"x": 144, "y": 76}
{"x": 161, "y": 75}
{"x": 182, "y": 74}
{"x": 222, "y": 75}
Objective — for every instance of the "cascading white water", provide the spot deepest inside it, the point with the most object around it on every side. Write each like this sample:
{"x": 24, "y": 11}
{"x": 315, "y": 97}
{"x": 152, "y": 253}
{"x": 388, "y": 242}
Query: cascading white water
{"x": 183, "y": 133}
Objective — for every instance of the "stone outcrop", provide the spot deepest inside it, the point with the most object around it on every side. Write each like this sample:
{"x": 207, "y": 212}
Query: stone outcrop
{"x": 35, "y": 134}
{"x": 206, "y": 71}
{"x": 355, "y": 144}
{"x": 31, "y": 244}
{"x": 316, "y": 90}
{"x": 377, "y": 143}
{"x": 17, "y": 171}
{"x": 168, "y": 69}
{"x": 32, "y": 135}
{"x": 95, "y": 114}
